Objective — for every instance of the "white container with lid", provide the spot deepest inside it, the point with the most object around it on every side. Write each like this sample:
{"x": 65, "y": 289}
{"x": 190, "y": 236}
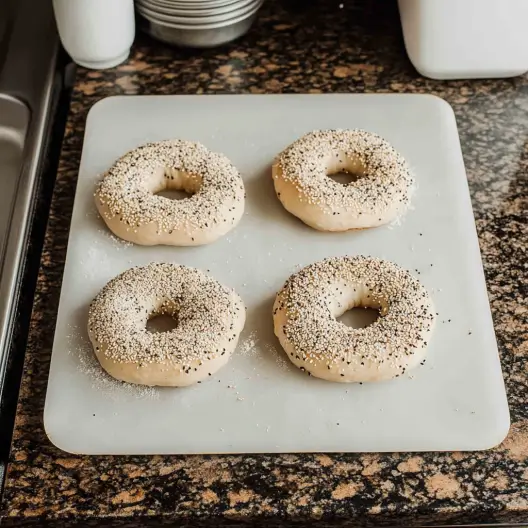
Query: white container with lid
{"x": 464, "y": 39}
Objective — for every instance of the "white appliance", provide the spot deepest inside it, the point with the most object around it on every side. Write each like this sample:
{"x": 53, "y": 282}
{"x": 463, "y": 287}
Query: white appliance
{"x": 465, "y": 39}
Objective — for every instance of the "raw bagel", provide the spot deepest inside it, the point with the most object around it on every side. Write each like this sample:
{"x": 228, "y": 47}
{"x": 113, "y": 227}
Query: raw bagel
{"x": 305, "y": 322}
{"x": 381, "y": 193}
{"x": 126, "y": 196}
{"x": 210, "y": 318}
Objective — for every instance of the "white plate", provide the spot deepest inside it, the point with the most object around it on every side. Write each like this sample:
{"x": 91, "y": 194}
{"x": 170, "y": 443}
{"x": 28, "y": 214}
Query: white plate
{"x": 259, "y": 402}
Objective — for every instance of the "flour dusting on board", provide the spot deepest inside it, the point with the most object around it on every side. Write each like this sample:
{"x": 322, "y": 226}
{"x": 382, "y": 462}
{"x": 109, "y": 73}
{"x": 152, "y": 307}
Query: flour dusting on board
{"x": 80, "y": 346}
{"x": 248, "y": 346}
{"x": 97, "y": 261}
{"x": 94, "y": 262}
{"x": 117, "y": 243}
{"x": 251, "y": 346}
{"x": 279, "y": 357}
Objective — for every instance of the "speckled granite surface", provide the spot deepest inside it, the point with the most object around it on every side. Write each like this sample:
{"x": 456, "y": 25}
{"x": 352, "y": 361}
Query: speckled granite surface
{"x": 314, "y": 48}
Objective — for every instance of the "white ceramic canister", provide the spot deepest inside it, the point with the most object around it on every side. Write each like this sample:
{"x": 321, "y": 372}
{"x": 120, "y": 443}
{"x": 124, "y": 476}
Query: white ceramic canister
{"x": 465, "y": 39}
{"x": 97, "y": 34}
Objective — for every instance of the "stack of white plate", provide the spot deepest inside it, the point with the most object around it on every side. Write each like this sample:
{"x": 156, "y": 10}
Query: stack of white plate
{"x": 198, "y": 23}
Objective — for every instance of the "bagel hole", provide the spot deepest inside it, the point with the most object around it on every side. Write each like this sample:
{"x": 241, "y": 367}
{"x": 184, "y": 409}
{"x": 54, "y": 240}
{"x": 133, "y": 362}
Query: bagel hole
{"x": 158, "y": 323}
{"x": 174, "y": 194}
{"x": 345, "y": 177}
{"x": 174, "y": 184}
{"x": 345, "y": 170}
{"x": 359, "y": 317}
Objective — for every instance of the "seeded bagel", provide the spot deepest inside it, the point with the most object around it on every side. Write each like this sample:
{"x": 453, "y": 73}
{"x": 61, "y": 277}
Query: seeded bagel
{"x": 209, "y": 317}
{"x": 307, "y": 306}
{"x": 380, "y": 194}
{"x": 127, "y": 201}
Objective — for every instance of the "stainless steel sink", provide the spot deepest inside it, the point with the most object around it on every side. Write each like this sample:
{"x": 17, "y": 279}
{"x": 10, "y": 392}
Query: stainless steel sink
{"x": 28, "y": 51}
{"x": 14, "y": 123}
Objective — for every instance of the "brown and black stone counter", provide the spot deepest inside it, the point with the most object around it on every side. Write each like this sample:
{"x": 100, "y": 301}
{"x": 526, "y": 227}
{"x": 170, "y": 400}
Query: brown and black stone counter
{"x": 310, "y": 47}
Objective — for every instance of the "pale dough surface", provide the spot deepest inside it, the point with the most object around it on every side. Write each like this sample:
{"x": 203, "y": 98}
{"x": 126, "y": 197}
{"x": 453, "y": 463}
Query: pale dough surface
{"x": 209, "y": 317}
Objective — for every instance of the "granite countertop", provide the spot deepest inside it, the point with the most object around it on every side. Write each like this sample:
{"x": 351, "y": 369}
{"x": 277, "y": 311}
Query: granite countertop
{"x": 308, "y": 47}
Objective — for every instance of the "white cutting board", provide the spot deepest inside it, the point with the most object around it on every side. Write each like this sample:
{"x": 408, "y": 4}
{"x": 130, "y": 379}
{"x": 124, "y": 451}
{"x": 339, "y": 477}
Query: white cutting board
{"x": 259, "y": 402}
